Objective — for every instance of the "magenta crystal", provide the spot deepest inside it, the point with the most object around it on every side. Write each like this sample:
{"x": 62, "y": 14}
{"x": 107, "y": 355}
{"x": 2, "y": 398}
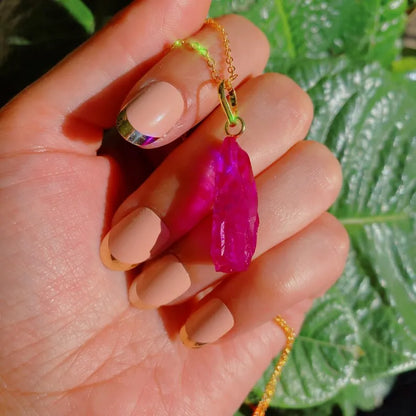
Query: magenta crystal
{"x": 235, "y": 219}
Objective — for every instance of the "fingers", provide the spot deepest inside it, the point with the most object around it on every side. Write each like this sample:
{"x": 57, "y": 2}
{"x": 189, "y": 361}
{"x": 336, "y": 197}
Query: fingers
{"x": 83, "y": 94}
{"x": 293, "y": 192}
{"x": 299, "y": 269}
{"x": 180, "y": 192}
{"x": 179, "y": 92}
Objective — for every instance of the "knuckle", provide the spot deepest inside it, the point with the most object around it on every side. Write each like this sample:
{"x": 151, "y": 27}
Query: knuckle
{"x": 279, "y": 87}
{"x": 327, "y": 170}
{"x": 250, "y": 28}
{"x": 337, "y": 238}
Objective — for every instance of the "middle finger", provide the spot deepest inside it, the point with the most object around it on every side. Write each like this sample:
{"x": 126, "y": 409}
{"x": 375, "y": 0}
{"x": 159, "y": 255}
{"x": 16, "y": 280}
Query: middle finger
{"x": 293, "y": 192}
{"x": 277, "y": 113}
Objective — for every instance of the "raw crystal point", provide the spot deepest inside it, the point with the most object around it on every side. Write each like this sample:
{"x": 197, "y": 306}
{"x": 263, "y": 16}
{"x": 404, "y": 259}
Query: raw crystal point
{"x": 235, "y": 219}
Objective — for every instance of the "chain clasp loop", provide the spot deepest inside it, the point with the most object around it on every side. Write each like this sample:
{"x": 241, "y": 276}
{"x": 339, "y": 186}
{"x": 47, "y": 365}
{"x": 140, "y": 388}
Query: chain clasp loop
{"x": 228, "y": 100}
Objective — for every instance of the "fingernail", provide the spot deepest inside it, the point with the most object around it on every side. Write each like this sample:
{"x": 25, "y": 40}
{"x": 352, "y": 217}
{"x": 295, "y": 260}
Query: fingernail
{"x": 109, "y": 261}
{"x": 206, "y": 325}
{"x": 151, "y": 114}
{"x": 137, "y": 237}
{"x": 160, "y": 283}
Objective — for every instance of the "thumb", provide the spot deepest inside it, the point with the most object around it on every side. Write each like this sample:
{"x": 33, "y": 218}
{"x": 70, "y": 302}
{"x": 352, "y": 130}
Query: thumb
{"x": 82, "y": 95}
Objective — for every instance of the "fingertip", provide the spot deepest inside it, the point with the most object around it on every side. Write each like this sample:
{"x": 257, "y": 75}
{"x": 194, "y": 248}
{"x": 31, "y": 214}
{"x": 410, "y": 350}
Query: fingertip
{"x": 287, "y": 108}
{"x": 340, "y": 241}
{"x": 334, "y": 242}
{"x": 297, "y": 99}
{"x": 258, "y": 49}
{"x": 181, "y": 18}
{"x": 160, "y": 283}
{"x": 135, "y": 300}
{"x": 325, "y": 171}
{"x": 190, "y": 76}
{"x": 332, "y": 171}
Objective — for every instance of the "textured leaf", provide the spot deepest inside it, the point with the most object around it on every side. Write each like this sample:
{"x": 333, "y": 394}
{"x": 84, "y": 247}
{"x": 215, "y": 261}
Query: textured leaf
{"x": 366, "y": 396}
{"x": 18, "y": 41}
{"x": 406, "y": 64}
{"x": 368, "y": 30}
{"x": 323, "y": 359}
{"x": 387, "y": 348}
{"x": 365, "y": 116}
{"x": 80, "y": 12}
{"x": 372, "y": 130}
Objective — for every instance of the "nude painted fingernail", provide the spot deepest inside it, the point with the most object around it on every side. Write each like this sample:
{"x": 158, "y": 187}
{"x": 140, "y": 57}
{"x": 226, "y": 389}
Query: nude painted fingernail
{"x": 207, "y": 324}
{"x": 151, "y": 114}
{"x": 137, "y": 237}
{"x": 160, "y": 283}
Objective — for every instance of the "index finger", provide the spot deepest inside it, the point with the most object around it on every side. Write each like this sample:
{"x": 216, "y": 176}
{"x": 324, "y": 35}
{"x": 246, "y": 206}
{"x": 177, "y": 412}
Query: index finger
{"x": 181, "y": 90}
{"x": 68, "y": 108}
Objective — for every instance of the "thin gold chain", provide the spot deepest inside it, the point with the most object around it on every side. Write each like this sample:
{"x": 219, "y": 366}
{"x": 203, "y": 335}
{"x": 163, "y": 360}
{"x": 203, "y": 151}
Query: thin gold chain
{"x": 232, "y": 72}
{"x": 201, "y": 50}
{"x": 216, "y": 76}
{"x": 272, "y": 383}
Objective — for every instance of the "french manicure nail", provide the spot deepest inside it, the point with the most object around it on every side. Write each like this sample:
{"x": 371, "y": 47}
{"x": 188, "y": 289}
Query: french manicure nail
{"x": 137, "y": 236}
{"x": 160, "y": 283}
{"x": 111, "y": 262}
{"x": 151, "y": 114}
{"x": 207, "y": 324}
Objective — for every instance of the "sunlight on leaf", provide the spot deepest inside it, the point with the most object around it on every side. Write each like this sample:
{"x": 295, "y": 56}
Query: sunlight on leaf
{"x": 80, "y": 12}
{"x": 342, "y": 53}
{"x": 18, "y": 41}
{"x": 366, "y": 396}
{"x": 323, "y": 359}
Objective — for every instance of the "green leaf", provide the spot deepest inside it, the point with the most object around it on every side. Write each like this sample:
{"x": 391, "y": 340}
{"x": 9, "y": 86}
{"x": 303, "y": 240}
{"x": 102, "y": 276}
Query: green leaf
{"x": 366, "y": 396}
{"x": 365, "y": 30}
{"x": 370, "y": 126}
{"x": 18, "y": 41}
{"x": 80, "y": 12}
{"x": 406, "y": 64}
{"x": 387, "y": 348}
{"x": 365, "y": 115}
{"x": 336, "y": 50}
{"x": 323, "y": 359}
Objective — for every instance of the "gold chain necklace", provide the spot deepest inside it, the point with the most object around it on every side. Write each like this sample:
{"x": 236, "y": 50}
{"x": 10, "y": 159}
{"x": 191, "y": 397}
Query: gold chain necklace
{"x": 228, "y": 100}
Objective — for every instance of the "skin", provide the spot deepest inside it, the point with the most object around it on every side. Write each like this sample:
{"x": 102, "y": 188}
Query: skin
{"x": 69, "y": 339}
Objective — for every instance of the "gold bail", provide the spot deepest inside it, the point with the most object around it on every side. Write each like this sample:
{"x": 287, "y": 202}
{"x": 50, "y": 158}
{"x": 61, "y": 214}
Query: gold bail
{"x": 228, "y": 100}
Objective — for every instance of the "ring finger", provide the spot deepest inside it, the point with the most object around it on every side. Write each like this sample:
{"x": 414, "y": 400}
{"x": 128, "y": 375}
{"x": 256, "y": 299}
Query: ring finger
{"x": 301, "y": 268}
{"x": 293, "y": 192}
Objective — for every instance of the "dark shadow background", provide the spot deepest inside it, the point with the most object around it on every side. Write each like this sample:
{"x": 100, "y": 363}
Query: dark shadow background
{"x": 402, "y": 399}
{"x": 36, "y": 34}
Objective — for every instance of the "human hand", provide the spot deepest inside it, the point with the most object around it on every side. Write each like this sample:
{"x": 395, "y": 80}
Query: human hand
{"x": 70, "y": 340}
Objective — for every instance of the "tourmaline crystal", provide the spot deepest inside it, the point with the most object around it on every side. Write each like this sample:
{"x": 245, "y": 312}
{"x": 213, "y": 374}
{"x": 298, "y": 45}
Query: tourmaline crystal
{"x": 235, "y": 219}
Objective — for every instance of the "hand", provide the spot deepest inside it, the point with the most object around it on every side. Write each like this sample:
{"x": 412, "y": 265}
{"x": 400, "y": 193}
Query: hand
{"x": 71, "y": 343}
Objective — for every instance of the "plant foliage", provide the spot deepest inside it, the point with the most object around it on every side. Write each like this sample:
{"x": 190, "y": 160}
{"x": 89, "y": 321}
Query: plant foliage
{"x": 346, "y": 55}
{"x": 80, "y": 12}
{"x": 364, "y": 329}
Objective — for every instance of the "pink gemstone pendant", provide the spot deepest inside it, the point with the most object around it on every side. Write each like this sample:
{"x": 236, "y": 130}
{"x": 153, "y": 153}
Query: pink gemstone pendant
{"x": 235, "y": 218}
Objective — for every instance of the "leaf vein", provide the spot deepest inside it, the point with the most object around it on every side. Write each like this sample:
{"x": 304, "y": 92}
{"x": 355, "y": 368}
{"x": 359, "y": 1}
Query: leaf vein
{"x": 372, "y": 219}
{"x": 348, "y": 348}
{"x": 286, "y": 28}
